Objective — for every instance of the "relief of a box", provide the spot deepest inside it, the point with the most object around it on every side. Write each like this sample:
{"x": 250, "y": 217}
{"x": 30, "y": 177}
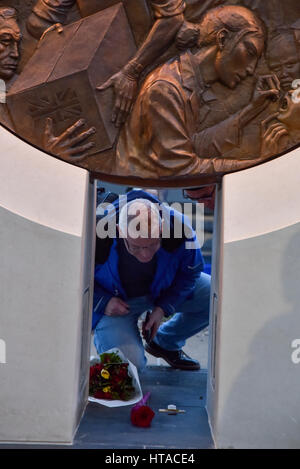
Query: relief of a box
{"x": 60, "y": 79}
{"x": 138, "y": 13}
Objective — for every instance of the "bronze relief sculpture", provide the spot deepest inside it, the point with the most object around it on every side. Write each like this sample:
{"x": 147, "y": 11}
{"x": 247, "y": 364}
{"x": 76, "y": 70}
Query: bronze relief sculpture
{"x": 165, "y": 92}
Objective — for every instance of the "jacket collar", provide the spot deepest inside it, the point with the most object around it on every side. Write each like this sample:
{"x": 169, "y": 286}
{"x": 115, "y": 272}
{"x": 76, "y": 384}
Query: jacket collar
{"x": 200, "y": 94}
{"x": 192, "y": 78}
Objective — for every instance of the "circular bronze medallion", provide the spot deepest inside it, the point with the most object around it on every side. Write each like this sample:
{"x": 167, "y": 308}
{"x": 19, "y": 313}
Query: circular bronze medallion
{"x": 153, "y": 92}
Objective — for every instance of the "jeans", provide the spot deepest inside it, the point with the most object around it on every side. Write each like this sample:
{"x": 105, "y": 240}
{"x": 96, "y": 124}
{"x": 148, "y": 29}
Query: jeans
{"x": 122, "y": 331}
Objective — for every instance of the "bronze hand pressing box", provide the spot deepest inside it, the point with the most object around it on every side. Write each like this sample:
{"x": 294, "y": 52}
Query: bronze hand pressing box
{"x": 60, "y": 79}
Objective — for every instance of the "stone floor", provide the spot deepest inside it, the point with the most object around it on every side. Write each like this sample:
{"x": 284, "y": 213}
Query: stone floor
{"x": 185, "y": 389}
{"x": 106, "y": 428}
{"x": 111, "y": 428}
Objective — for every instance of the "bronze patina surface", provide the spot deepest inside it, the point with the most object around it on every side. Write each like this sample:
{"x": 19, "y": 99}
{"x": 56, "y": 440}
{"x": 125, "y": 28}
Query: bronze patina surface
{"x": 153, "y": 92}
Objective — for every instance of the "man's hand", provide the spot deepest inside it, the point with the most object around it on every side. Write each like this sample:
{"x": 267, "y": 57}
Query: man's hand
{"x": 267, "y": 89}
{"x": 70, "y": 145}
{"x": 116, "y": 307}
{"x": 153, "y": 322}
{"x": 125, "y": 89}
{"x": 274, "y": 137}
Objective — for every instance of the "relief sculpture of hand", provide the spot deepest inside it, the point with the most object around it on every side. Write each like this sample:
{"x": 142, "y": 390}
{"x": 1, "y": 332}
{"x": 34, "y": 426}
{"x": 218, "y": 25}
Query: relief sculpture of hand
{"x": 70, "y": 145}
{"x": 267, "y": 89}
{"x": 125, "y": 89}
{"x": 274, "y": 137}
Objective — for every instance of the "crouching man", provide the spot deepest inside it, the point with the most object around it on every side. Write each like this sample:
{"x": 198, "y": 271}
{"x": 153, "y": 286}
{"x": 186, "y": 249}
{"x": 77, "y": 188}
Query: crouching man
{"x": 147, "y": 267}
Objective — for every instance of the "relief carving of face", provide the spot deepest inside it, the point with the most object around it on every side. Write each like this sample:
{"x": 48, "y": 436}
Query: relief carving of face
{"x": 234, "y": 64}
{"x": 289, "y": 113}
{"x": 10, "y": 37}
{"x": 283, "y": 60}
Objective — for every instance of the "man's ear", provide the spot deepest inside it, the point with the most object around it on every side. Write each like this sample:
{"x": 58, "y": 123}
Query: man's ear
{"x": 222, "y": 38}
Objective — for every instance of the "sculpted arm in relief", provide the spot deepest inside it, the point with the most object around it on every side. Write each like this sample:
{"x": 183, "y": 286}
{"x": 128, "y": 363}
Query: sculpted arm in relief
{"x": 169, "y": 18}
{"x": 161, "y": 35}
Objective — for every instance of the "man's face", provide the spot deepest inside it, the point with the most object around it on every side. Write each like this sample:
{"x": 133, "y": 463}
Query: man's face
{"x": 143, "y": 249}
{"x": 289, "y": 113}
{"x": 234, "y": 64}
{"x": 9, "y": 48}
{"x": 285, "y": 64}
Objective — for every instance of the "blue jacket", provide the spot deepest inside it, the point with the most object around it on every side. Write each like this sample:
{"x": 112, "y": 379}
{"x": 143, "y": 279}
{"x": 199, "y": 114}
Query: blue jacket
{"x": 177, "y": 267}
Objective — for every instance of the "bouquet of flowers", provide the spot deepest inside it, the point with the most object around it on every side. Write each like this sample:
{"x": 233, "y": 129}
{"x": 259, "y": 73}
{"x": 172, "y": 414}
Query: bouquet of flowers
{"x": 110, "y": 379}
{"x": 113, "y": 380}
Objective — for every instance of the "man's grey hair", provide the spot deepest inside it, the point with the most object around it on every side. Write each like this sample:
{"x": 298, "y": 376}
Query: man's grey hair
{"x": 140, "y": 218}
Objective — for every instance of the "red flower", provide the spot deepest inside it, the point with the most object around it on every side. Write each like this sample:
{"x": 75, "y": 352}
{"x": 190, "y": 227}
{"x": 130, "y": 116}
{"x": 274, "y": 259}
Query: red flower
{"x": 103, "y": 395}
{"x": 115, "y": 380}
{"x": 95, "y": 370}
{"x": 142, "y": 416}
{"x": 123, "y": 372}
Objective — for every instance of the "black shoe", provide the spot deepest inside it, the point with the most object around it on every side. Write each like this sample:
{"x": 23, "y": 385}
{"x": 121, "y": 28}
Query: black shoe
{"x": 177, "y": 359}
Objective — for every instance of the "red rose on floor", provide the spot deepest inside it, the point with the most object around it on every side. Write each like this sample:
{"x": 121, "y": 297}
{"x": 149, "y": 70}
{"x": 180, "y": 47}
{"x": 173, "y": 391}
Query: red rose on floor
{"x": 142, "y": 416}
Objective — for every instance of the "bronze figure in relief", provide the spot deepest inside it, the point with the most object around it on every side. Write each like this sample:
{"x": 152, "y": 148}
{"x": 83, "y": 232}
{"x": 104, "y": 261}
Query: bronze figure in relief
{"x": 283, "y": 57}
{"x": 161, "y": 137}
{"x": 171, "y": 92}
{"x": 10, "y": 37}
{"x": 281, "y": 130}
{"x": 69, "y": 144}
